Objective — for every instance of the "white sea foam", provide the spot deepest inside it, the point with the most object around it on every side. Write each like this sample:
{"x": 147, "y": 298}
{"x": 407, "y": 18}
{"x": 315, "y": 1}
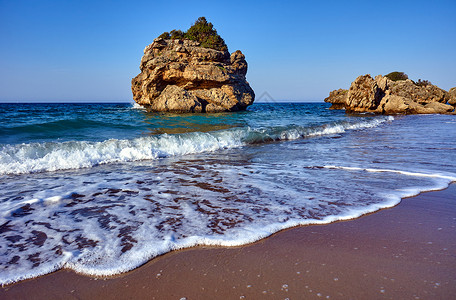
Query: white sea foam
{"x": 38, "y": 157}
{"x": 52, "y": 156}
{"x": 116, "y": 217}
{"x": 137, "y": 106}
{"x": 109, "y": 221}
{"x": 408, "y": 173}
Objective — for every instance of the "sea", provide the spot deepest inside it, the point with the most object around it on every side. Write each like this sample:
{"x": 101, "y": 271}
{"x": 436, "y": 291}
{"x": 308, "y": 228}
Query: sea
{"x": 103, "y": 188}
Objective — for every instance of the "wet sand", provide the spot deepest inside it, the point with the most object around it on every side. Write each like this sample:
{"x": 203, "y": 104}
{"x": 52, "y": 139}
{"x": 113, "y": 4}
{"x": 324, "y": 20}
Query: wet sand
{"x": 406, "y": 252}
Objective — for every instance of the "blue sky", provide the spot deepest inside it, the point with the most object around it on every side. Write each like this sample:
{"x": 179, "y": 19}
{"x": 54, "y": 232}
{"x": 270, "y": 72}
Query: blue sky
{"x": 296, "y": 50}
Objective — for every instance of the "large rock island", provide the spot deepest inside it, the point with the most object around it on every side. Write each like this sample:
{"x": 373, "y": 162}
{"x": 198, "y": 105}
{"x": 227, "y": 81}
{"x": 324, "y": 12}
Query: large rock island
{"x": 393, "y": 94}
{"x": 192, "y": 72}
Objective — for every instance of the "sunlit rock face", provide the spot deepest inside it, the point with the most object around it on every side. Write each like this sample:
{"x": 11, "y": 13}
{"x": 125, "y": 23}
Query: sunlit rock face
{"x": 383, "y": 96}
{"x": 180, "y": 76}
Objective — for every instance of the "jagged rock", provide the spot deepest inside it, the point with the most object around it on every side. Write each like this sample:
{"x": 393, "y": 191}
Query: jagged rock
{"x": 176, "y": 99}
{"x": 393, "y": 104}
{"x": 180, "y": 76}
{"x": 439, "y": 108}
{"x": 420, "y": 94}
{"x": 452, "y": 96}
{"x": 384, "y": 96}
{"x": 337, "y": 98}
{"x": 382, "y": 82}
{"x": 364, "y": 94}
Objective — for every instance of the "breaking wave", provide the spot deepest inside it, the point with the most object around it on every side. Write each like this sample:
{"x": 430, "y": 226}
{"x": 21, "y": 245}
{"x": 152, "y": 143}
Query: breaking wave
{"x": 53, "y": 156}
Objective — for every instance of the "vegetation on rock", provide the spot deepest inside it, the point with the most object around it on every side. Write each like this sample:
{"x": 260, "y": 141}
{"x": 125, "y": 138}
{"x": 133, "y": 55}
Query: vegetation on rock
{"x": 396, "y": 76}
{"x": 423, "y": 82}
{"x": 176, "y": 34}
{"x": 165, "y": 35}
{"x": 201, "y": 31}
{"x": 180, "y": 75}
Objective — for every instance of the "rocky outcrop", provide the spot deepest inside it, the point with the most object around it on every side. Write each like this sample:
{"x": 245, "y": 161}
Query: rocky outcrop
{"x": 452, "y": 93}
{"x": 180, "y": 76}
{"x": 364, "y": 94}
{"x": 384, "y": 96}
{"x": 337, "y": 98}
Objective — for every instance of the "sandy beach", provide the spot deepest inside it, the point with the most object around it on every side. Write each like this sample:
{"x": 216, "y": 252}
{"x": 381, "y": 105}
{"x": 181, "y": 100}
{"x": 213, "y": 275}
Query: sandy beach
{"x": 406, "y": 252}
{"x": 227, "y": 150}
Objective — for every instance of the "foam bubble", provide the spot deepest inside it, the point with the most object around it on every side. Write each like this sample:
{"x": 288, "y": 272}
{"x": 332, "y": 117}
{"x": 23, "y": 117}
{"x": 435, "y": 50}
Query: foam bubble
{"x": 53, "y": 199}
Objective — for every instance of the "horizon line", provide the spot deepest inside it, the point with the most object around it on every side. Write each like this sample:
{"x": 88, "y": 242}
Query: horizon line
{"x": 132, "y": 102}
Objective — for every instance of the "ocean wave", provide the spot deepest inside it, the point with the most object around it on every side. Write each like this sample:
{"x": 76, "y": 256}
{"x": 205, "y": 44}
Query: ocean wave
{"x": 53, "y": 156}
{"x": 137, "y": 106}
{"x": 51, "y": 126}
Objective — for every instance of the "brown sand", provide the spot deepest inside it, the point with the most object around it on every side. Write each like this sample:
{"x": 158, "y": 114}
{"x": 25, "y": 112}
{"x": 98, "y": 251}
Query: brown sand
{"x": 407, "y": 252}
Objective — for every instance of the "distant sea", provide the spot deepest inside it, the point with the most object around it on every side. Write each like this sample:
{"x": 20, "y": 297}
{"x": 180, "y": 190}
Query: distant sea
{"x": 103, "y": 188}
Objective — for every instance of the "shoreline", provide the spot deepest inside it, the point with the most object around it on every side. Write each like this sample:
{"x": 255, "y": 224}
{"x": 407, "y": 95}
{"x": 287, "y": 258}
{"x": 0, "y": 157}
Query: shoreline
{"x": 407, "y": 251}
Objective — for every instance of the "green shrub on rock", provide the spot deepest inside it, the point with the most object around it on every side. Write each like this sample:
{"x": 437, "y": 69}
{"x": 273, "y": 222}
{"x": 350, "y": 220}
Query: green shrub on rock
{"x": 201, "y": 31}
{"x": 204, "y": 32}
{"x": 396, "y": 76}
{"x": 164, "y": 35}
{"x": 176, "y": 35}
{"x": 423, "y": 82}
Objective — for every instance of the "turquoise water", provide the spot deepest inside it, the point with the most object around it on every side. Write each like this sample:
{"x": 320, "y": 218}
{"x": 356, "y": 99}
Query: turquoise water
{"x": 26, "y": 123}
{"x": 103, "y": 188}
